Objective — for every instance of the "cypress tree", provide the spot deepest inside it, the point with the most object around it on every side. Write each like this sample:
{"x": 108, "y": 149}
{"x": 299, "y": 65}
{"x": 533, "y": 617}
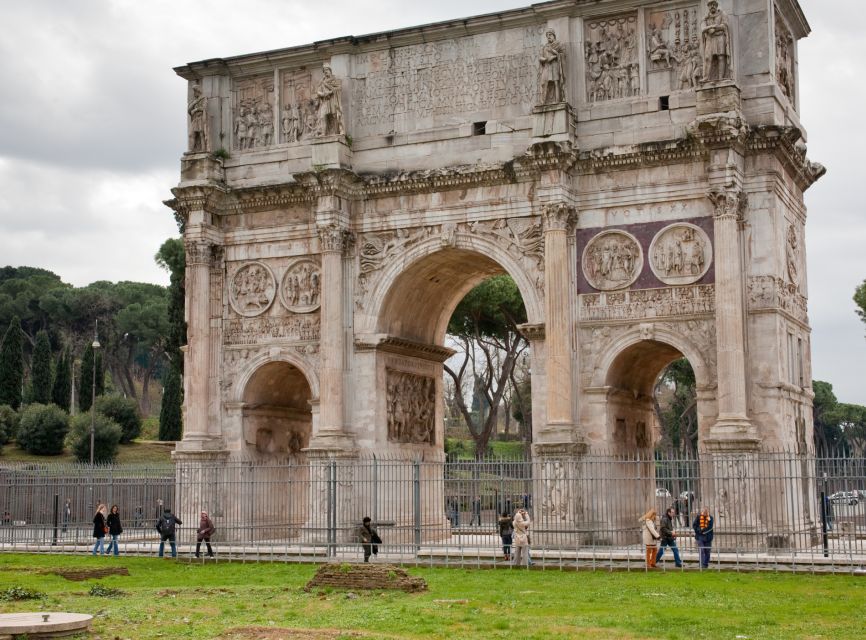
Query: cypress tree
{"x": 170, "y": 420}
{"x": 12, "y": 365}
{"x": 100, "y": 374}
{"x": 40, "y": 370}
{"x": 85, "y": 383}
{"x": 61, "y": 392}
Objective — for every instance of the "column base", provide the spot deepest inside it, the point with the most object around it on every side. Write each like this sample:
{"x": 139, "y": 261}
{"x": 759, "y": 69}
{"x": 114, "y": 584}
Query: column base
{"x": 733, "y": 433}
{"x": 331, "y": 441}
{"x": 199, "y": 446}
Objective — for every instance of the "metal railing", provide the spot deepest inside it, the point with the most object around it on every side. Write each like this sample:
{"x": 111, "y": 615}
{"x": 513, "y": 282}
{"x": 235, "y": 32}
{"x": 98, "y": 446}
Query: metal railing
{"x": 778, "y": 509}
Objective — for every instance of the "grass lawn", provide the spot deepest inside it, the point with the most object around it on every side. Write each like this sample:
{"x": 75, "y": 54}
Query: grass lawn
{"x": 175, "y": 599}
{"x": 138, "y": 452}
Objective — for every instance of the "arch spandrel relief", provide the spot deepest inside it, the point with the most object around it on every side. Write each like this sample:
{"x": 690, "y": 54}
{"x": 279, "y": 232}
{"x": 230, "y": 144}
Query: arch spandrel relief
{"x": 411, "y": 408}
{"x": 252, "y": 289}
{"x": 301, "y": 287}
{"x": 680, "y": 254}
{"x": 612, "y": 260}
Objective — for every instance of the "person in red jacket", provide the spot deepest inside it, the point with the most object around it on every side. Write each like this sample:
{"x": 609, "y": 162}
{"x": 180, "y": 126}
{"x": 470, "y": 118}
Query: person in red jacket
{"x": 205, "y": 531}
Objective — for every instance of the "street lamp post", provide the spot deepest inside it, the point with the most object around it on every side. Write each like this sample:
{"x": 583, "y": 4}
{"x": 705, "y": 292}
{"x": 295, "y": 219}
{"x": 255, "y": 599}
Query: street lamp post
{"x": 95, "y": 346}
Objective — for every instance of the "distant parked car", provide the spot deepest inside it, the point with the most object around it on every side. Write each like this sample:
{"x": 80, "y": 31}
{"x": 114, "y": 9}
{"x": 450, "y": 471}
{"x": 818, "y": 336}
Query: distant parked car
{"x": 661, "y": 492}
{"x": 850, "y": 498}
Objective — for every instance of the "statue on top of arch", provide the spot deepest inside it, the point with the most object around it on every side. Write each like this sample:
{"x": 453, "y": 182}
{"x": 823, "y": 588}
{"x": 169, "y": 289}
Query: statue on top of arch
{"x": 716, "y": 43}
{"x": 551, "y": 79}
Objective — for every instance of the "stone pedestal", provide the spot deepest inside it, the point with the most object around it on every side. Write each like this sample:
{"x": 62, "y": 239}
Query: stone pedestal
{"x": 200, "y": 478}
{"x": 200, "y": 168}
{"x": 553, "y": 122}
{"x": 331, "y": 152}
{"x": 720, "y": 97}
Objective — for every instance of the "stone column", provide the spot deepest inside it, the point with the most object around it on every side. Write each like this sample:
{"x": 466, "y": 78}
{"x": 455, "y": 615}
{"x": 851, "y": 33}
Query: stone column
{"x": 331, "y": 426}
{"x": 197, "y": 357}
{"x": 558, "y": 219}
{"x": 733, "y": 422}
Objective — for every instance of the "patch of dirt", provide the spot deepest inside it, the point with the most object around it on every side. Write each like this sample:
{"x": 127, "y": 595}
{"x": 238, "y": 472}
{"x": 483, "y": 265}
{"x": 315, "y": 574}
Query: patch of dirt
{"x": 271, "y": 633}
{"x": 78, "y": 575}
{"x": 365, "y": 576}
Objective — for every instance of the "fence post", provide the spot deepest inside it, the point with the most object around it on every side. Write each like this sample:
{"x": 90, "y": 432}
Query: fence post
{"x": 375, "y": 489}
{"x": 56, "y": 513}
{"x": 332, "y": 508}
{"x": 824, "y": 513}
{"x": 416, "y": 498}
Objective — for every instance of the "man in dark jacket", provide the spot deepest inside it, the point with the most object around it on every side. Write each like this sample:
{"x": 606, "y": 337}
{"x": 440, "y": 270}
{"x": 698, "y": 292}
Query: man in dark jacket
{"x": 166, "y": 526}
{"x": 668, "y": 537}
{"x": 369, "y": 538}
{"x": 703, "y": 526}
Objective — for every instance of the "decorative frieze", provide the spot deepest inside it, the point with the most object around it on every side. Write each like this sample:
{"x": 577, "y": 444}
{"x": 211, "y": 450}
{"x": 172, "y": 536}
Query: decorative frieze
{"x": 648, "y": 303}
{"x": 792, "y": 256}
{"x": 612, "y": 260}
{"x": 294, "y": 328}
{"x": 680, "y": 254}
{"x": 411, "y": 408}
{"x": 301, "y": 288}
{"x": 784, "y": 57}
{"x": 253, "y": 115}
{"x": 298, "y": 117}
{"x": 771, "y": 292}
{"x": 673, "y": 48}
{"x": 612, "y": 66}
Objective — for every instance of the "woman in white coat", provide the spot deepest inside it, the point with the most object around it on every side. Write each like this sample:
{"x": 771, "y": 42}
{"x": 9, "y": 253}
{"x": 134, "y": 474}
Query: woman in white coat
{"x": 650, "y": 535}
{"x": 521, "y": 537}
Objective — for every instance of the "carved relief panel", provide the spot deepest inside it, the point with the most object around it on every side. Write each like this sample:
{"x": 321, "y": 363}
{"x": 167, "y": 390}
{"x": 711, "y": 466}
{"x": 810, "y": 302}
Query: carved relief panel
{"x": 411, "y": 407}
{"x": 784, "y": 58}
{"x": 300, "y": 289}
{"x": 612, "y": 260}
{"x": 298, "y": 108}
{"x": 253, "y": 113}
{"x": 673, "y": 49}
{"x": 611, "y": 52}
{"x": 680, "y": 254}
{"x": 792, "y": 256}
{"x": 252, "y": 289}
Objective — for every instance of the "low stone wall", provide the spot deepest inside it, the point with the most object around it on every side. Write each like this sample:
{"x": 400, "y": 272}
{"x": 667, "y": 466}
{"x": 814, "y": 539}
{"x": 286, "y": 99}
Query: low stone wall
{"x": 365, "y": 576}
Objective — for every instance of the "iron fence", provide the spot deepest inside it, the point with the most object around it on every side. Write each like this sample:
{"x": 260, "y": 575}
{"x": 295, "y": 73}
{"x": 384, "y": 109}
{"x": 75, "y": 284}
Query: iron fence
{"x": 778, "y": 510}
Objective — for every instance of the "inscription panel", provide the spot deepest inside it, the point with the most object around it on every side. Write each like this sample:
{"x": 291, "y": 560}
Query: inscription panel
{"x": 424, "y": 85}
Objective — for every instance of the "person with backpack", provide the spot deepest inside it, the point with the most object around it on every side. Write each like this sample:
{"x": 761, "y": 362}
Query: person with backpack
{"x": 167, "y": 527}
{"x": 369, "y": 538}
{"x": 205, "y": 531}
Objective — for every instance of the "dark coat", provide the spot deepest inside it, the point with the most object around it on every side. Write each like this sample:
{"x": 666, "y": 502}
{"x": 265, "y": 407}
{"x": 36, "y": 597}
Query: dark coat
{"x": 166, "y": 525}
{"x": 99, "y": 525}
{"x": 368, "y": 535}
{"x": 666, "y": 529}
{"x": 704, "y": 535}
{"x": 114, "y": 526}
{"x": 506, "y": 526}
{"x": 205, "y": 529}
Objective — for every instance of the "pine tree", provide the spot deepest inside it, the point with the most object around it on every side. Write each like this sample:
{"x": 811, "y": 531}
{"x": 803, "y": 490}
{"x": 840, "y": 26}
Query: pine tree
{"x": 61, "y": 392}
{"x": 85, "y": 383}
{"x": 12, "y": 365}
{"x": 170, "y": 420}
{"x": 40, "y": 370}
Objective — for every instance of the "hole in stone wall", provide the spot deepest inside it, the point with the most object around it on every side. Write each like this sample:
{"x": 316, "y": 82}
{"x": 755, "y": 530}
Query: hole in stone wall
{"x": 664, "y": 103}
{"x": 479, "y": 128}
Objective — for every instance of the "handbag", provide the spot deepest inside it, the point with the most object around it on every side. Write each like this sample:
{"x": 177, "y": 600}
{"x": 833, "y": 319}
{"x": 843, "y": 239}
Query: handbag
{"x": 105, "y": 529}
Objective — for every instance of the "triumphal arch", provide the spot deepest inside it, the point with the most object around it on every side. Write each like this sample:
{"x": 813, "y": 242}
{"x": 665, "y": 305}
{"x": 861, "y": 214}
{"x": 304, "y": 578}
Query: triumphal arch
{"x": 637, "y": 167}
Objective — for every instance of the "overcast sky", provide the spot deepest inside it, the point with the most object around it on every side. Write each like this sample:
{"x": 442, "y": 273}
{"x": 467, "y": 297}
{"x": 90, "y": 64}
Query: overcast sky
{"x": 92, "y": 125}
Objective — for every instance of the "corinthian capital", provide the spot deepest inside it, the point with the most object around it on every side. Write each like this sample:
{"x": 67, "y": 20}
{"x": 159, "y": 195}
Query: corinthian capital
{"x": 558, "y": 216}
{"x": 198, "y": 252}
{"x": 333, "y": 238}
{"x": 729, "y": 202}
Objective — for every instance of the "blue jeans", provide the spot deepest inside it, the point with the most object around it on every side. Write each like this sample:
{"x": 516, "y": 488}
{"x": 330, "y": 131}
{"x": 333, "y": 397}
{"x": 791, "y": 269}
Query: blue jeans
{"x": 114, "y": 545}
{"x": 705, "y": 554}
{"x": 673, "y": 545}
{"x": 173, "y": 546}
{"x": 99, "y": 544}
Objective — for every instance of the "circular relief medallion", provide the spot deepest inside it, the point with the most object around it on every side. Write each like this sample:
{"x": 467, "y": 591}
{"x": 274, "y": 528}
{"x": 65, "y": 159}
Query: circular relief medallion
{"x": 252, "y": 289}
{"x": 680, "y": 254}
{"x": 612, "y": 260}
{"x": 301, "y": 288}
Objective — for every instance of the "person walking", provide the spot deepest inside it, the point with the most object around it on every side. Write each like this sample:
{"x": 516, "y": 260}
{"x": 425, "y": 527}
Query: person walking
{"x": 506, "y": 533}
{"x": 369, "y": 538}
{"x": 114, "y": 530}
{"x": 67, "y": 514}
{"x": 521, "y": 522}
{"x": 669, "y": 536}
{"x": 205, "y": 531}
{"x": 100, "y": 528}
{"x": 703, "y": 527}
{"x": 476, "y": 511}
{"x": 650, "y": 537}
{"x": 167, "y": 527}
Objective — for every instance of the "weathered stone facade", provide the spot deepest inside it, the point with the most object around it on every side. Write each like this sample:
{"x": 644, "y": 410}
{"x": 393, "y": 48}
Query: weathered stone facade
{"x": 637, "y": 167}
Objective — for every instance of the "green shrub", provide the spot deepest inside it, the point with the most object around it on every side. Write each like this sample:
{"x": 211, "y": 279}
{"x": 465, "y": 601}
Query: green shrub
{"x": 106, "y": 438}
{"x": 123, "y": 411}
{"x": 101, "y": 591}
{"x": 9, "y": 419}
{"x": 42, "y": 429}
{"x": 16, "y": 593}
